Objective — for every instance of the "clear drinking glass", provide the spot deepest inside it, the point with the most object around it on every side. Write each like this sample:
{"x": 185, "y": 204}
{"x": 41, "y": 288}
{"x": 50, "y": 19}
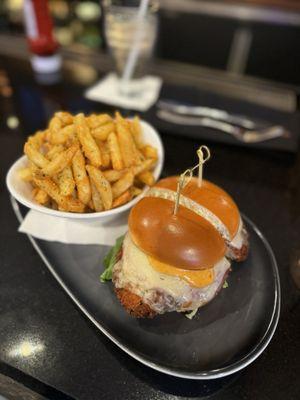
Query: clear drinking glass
{"x": 121, "y": 25}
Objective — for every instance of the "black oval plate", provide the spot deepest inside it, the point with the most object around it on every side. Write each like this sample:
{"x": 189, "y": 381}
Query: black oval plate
{"x": 225, "y": 336}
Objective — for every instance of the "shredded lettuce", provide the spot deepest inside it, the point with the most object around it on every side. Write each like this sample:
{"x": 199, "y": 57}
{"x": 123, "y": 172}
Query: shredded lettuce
{"x": 225, "y": 285}
{"x": 191, "y": 314}
{"x": 110, "y": 260}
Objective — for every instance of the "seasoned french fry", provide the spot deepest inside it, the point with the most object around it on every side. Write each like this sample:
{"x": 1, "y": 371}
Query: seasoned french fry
{"x": 102, "y": 185}
{"x": 65, "y": 203}
{"x": 55, "y": 126}
{"x": 140, "y": 155}
{"x": 144, "y": 166}
{"x": 73, "y": 205}
{"x": 65, "y": 117}
{"x": 54, "y": 150}
{"x": 115, "y": 153}
{"x": 33, "y": 168}
{"x": 57, "y": 138}
{"x": 47, "y": 135}
{"x": 119, "y": 118}
{"x": 81, "y": 178}
{"x": 91, "y": 205}
{"x": 61, "y": 161}
{"x": 149, "y": 151}
{"x": 122, "y": 184}
{"x": 96, "y": 198}
{"x": 105, "y": 155}
{"x": 66, "y": 181}
{"x": 68, "y": 132}
{"x": 34, "y": 155}
{"x": 102, "y": 132}
{"x": 89, "y": 146}
{"x": 122, "y": 199}
{"x": 147, "y": 178}
{"x": 113, "y": 175}
{"x": 135, "y": 191}
{"x": 94, "y": 121}
{"x": 37, "y": 139}
{"x": 136, "y": 131}
{"x": 49, "y": 186}
{"x": 88, "y": 164}
{"x": 41, "y": 197}
{"x": 62, "y": 135}
{"x": 25, "y": 174}
{"x": 127, "y": 146}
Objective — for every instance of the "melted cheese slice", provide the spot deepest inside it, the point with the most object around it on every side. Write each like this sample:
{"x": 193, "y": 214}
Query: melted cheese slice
{"x": 197, "y": 279}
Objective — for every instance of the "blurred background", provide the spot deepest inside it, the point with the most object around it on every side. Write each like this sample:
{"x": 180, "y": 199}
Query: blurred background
{"x": 259, "y": 38}
{"x": 241, "y": 57}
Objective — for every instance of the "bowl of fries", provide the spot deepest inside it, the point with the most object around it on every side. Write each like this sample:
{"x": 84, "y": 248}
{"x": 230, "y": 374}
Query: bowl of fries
{"x": 87, "y": 167}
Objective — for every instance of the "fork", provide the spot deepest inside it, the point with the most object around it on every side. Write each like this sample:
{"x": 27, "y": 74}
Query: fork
{"x": 213, "y": 113}
{"x": 241, "y": 134}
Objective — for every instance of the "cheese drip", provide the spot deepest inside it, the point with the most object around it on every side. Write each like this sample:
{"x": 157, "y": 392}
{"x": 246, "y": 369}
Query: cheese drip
{"x": 162, "y": 292}
{"x": 196, "y": 278}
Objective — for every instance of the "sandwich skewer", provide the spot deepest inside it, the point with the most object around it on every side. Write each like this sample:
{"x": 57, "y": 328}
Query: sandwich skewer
{"x": 202, "y": 160}
{"x": 203, "y": 154}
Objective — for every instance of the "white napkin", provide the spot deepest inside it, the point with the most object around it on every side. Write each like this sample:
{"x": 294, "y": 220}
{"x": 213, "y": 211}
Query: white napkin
{"x": 108, "y": 91}
{"x": 48, "y": 227}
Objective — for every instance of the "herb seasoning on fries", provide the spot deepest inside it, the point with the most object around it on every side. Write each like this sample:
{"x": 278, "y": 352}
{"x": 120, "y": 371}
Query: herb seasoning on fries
{"x": 88, "y": 163}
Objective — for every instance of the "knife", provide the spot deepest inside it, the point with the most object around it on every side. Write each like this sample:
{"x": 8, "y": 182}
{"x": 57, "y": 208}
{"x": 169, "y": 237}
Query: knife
{"x": 240, "y": 133}
{"x": 213, "y": 113}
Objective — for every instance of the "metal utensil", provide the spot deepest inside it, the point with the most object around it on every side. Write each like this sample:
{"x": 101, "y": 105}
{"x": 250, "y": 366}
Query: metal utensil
{"x": 241, "y": 134}
{"x": 213, "y": 113}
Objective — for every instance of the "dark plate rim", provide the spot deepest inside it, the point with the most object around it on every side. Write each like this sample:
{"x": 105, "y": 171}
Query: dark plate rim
{"x": 204, "y": 375}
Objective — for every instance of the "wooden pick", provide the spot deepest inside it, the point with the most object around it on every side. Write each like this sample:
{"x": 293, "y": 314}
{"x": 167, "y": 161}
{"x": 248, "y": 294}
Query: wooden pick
{"x": 182, "y": 181}
{"x": 204, "y": 155}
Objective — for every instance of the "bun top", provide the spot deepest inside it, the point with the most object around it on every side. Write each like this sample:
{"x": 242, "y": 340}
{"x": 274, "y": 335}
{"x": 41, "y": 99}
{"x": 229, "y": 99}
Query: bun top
{"x": 211, "y": 197}
{"x": 186, "y": 240}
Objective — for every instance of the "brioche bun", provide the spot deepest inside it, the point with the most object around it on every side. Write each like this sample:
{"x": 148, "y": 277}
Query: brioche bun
{"x": 210, "y": 196}
{"x": 184, "y": 240}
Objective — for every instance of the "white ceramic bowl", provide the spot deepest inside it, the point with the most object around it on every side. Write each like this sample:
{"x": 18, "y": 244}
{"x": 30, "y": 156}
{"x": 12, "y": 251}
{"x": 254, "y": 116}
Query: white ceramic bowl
{"x": 22, "y": 191}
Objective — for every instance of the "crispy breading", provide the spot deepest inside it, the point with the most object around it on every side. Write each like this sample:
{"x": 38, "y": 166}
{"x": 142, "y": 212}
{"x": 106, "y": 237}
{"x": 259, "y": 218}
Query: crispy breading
{"x": 133, "y": 304}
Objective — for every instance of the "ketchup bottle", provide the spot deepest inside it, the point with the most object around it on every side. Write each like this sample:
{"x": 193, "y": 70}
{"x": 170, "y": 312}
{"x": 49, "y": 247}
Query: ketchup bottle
{"x": 39, "y": 32}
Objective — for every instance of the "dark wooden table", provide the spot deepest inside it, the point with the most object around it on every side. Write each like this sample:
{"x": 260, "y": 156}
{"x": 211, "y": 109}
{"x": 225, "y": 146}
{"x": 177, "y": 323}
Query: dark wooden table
{"x": 76, "y": 360}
